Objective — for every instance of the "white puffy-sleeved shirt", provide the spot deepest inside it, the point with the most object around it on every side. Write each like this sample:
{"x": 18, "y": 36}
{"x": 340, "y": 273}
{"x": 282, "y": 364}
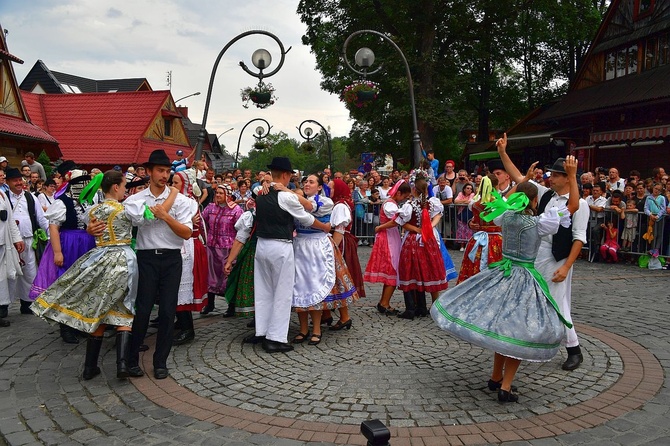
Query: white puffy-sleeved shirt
{"x": 580, "y": 219}
{"x": 340, "y": 218}
{"x": 243, "y": 226}
{"x": 12, "y": 231}
{"x": 404, "y": 216}
{"x": 155, "y": 233}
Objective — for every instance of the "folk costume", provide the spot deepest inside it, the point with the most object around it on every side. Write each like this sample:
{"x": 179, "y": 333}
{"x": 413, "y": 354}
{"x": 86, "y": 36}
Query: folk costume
{"x": 274, "y": 263}
{"x": 240, "y": 282}
{"x": 192, "y": 294}
{"x": 322, "y": 280}
{"x": 219, "y": 220}
{"x": 485, "y": 246}
{"x": 342, "y": 221}
{"x": 383, "y": 264}
{"x": 10, "y": 263}
{"x": 508, "y": 307}
{"x": 160, "y": 264}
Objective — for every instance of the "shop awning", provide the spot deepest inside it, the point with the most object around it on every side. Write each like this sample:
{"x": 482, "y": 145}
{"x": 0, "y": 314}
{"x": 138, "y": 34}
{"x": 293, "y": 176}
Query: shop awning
{"x": 635, "y": 134}
{"x": 484, "y": 156}
{"x": 532, "y": 139}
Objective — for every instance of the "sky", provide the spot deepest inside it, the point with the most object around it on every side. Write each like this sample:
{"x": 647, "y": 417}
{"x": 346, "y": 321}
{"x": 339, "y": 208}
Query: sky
{"x": 103, "y": 39}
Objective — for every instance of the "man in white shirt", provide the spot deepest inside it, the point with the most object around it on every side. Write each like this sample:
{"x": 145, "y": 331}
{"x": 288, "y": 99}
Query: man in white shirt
{"x": 556, "y": 254}
{"x": 35, "y": 166}
{"x": 9, "y": 235}
{"x": 614, "y": 181}
{"x": 274, "y": 267}
{"x": 24, "y": 204}
{"x": 596, "y": 202}
{"x": 159, "y": 243}
{"x": 443, "y": 192}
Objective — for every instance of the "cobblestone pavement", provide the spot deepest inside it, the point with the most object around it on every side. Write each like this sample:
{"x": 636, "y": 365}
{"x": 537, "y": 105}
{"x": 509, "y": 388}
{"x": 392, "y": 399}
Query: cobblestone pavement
{"x": 428, "y": 387}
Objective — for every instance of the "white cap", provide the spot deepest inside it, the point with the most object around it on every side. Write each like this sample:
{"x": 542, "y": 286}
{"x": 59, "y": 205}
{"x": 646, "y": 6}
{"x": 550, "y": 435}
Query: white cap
{"x": 2, "y": 159}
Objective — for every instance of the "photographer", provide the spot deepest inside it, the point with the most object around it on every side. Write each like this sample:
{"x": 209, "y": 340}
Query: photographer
{"x": 461, "y": 180}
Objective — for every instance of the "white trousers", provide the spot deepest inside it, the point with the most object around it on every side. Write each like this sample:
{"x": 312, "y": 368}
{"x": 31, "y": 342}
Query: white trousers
{"x": 20, "y": 287}
{"x": 274, "y": 275}
{"x": 560, "y": 291}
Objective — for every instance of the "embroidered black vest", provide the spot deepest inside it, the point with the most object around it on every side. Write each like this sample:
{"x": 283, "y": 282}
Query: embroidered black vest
{"x": 561, "y": 243}
{"x": 271, "y": 220}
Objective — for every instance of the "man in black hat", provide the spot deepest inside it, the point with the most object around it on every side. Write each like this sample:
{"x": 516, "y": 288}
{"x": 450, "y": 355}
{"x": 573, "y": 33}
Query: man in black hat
{"x": 29, "y": 216}
{"x": 497, "y": 168}
{"x": 274, "y": 267}
{"x": 159, "y": 243}
{"x": 558, "y": 253}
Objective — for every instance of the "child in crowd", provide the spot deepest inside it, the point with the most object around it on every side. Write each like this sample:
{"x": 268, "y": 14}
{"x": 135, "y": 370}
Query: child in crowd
{"x": 610, "y": 247}
{"x": 630, "y": 226}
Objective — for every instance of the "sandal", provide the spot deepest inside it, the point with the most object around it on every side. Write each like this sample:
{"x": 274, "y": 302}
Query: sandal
{"x": 300, "y": 338}
{"x": 312, "y": 341}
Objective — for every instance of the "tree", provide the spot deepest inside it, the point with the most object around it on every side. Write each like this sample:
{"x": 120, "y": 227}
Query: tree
{"x": 44, "y": 160}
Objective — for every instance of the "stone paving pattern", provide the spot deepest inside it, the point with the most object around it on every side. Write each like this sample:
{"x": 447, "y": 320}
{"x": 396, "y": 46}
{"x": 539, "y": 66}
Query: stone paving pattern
{"x": 423, "y": 384}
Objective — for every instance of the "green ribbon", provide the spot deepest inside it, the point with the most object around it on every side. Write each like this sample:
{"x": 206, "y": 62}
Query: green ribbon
{"x": 39, "y": 236}
{"x": 148, "y": 215}
{"x": 516, "y": 202}
{"x": 506, "y": 264}
{"x": 87, "y": 194}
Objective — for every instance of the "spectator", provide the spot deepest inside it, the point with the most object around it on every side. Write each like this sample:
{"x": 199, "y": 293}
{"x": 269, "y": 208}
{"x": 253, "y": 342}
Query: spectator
{"x": 504, "y": 181}
{"x": 181, "y": 163}
{"x": 633, "y": 177}
{"x": 655, "y": 208}
{"x": 449, "y": 173}
{"x": 461, "y": 180}
{"x": 657, "y": 173}
{"x": 443, "y": 191}
{"x": 25, "y": 171}
{"x": 46, "y": 197}
{"x": 360, "y": 197}
{"x": 3, "y": 182}
{"x": 537, "y": 175}
{"x": 35, "y": 166}
{"x": 630, "y": 226}
{"x": 242, "y": 194}
{"x": 597, "y": 203}
{"x": 640, "y": 199}
{"x": 586, "y": 178}
{"x": 34, "y": 178}
{"x": 629, "y": 191}
{"x": 587, "y": 189}
{"x": 615, "y": 182}
{"x": 463, "y": 231}
{"x": 384, "y": 188}
{"x": 3, "y": 163}
{"x": 434, "y": 164}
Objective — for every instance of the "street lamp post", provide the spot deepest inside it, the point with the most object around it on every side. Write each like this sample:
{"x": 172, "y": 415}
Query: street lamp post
{"x": 364, "y": 58}
{"x": 260, "y": 133}
{"x": 261, "y": 59}
{"x": 187, "y": 96}
{"x": 308, "y": 132}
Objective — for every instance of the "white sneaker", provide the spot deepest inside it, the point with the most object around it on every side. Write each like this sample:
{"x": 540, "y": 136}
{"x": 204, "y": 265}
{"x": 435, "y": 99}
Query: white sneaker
{"x": 462, "y": 249}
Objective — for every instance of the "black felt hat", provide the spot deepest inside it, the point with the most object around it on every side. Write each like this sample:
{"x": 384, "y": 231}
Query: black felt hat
{"x": 65, "y": 167}
{"x": 158, "y": 158}
{"x": 137, "y": 181}
{"x": 558, "y": 166}
{"x": 495, "y": 164}
{"x": 13, "y": 172}
{"x": 281, "y": 163}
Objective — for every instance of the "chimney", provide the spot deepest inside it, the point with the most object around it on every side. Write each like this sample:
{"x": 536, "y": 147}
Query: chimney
{"x": 183, "y": 111}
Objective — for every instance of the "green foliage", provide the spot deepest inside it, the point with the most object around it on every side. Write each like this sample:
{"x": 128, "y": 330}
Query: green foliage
{"x": 44, "y": 160}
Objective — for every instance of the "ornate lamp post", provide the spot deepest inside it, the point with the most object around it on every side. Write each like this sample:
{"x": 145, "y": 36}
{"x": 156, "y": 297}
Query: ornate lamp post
{"x": 308, "y": 132}
{"x": 260, "y": 133}
{"x": 261, "y": 59}
{"x": 364, "y": 58}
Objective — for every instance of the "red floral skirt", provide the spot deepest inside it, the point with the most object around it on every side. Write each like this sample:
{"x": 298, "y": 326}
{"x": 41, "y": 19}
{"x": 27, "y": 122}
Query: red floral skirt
{"x": 421, "y": 266}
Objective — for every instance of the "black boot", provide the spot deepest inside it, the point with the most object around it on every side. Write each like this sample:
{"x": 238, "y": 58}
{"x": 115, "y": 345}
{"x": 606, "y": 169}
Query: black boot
{"x": 409, "y": 306}
{"x": 187, "y": 333}
{"x": 421, "y": 309}
{"x": 68, "y": 334}
{"x": 210, "y": 304}
{"x": 122, "y": 350}
{"x": 4, "y": 310}
{"x": 230, "y": 311}
{"x": 91, "y": 368}
{"x": 25, "y": 307}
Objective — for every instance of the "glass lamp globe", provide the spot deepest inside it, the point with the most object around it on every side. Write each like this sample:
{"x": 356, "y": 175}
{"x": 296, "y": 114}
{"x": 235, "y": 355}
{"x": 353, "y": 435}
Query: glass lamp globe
{"x": 261, "y": 58}
{"x": 364, "y": 57}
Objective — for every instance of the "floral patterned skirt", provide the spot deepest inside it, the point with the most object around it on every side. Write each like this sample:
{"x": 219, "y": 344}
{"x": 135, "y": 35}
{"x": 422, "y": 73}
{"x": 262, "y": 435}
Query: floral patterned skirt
{"x": 99, "y": 288}
{"x": 241, "y": 281}
{"x": 471, "y": 267}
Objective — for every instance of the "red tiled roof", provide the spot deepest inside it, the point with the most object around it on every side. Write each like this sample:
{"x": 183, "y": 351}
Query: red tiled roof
{"x": 98, "y": 128}
{"x": 18, "y": 127}
{"x": 149, "y": 145}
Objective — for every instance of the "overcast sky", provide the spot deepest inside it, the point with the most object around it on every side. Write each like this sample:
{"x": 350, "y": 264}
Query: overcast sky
{"x": 103, "y": 39}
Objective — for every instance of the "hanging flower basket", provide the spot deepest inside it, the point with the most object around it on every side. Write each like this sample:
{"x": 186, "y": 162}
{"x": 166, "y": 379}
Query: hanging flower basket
{"x": 360, "y": 94}
{"x": 260, "y": 145}
{"x": 307, "y": 147}
{"x": 262, "y": 95}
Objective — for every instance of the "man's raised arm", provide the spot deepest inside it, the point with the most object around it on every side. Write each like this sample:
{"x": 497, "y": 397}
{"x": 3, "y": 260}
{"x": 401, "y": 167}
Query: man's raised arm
{"x": 510, "y": 168}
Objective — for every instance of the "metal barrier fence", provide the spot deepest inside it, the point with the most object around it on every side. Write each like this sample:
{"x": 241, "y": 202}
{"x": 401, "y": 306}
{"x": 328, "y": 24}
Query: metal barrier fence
{"x": 455, "y": 231}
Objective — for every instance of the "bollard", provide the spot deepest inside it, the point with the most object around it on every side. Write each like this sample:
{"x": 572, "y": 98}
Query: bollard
{"x": 376, "y": 433}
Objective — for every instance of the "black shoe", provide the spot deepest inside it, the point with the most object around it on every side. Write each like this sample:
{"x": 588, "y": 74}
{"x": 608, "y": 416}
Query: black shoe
{"x": 381, "y": 308}
{"x": 339, "y": 325}
{"x": 68, "y": 334}
{"x": 183, "y": 337}
{"x": 4, "y": 323}
{"x": 230, "y": 312}
{"x": 160, "y": 373}
{"x": 300, "y": 338}
{"x": 134, "y": 371}
{"x": 406, "y": 315}
{"x": 276, "y": 347}
{"x": 4, "y": 309}
{"x": 122, "y": 351}
{"x": 25, "y": 307}
{"x": 507, "y": 397}
{"x": 573, "y": 362}
{"x": 495, "y": 385}
{"x": 210, "y": 304}
{"x": 327, "y": 322}
{"x": 251, "y": 323}
{"x": 253, "y": 339}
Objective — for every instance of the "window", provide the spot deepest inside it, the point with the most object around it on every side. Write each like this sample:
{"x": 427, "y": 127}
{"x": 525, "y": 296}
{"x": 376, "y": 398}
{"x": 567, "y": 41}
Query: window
{"x": 621, "y": 62}
{"x": 657, "y": 51}
{"x": 643, "y": 8}
{"x": 168, "y": 127}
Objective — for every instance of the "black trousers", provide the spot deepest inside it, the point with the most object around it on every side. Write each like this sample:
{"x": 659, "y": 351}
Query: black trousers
{"x": 159, "y": 278}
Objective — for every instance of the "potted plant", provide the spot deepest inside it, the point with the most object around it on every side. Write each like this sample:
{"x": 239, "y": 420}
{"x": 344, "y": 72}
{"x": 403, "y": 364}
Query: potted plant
{"x": 260, "y": 145}
{"x": 360, "y": 94}
{"x": 262, "y": 95}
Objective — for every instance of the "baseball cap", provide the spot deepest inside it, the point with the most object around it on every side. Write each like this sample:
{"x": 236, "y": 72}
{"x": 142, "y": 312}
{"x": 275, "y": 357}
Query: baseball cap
{"x": 2, "y": 159}
{"x": 180, "y": 152}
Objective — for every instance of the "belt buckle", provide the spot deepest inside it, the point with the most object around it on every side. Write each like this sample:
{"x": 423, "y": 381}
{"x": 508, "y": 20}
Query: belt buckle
{"x": 158, "y": 252}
